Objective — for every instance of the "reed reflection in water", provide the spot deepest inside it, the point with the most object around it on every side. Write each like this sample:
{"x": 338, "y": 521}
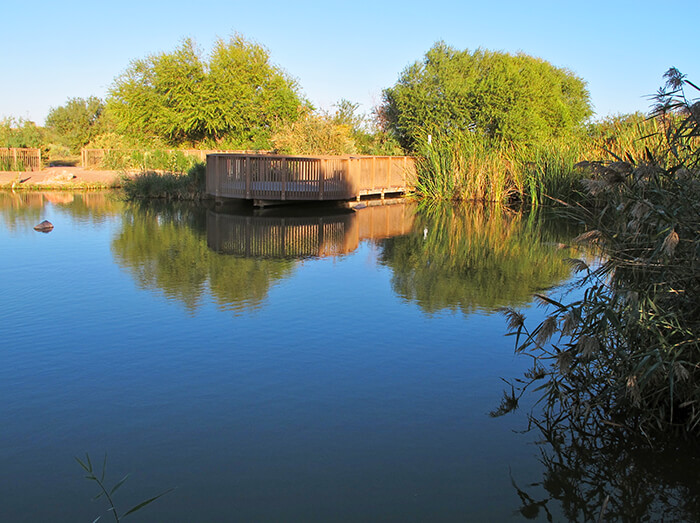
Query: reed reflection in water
{"x": 608, "y": 476}
{"x": 475, "y": 257}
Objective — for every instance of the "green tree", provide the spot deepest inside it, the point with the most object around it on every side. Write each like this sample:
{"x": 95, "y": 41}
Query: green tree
{"x": 233, "y": 99}
{"x": 492, "y": 94}
{"x": 77, "y": 122}
{"x": 20, "y": 133}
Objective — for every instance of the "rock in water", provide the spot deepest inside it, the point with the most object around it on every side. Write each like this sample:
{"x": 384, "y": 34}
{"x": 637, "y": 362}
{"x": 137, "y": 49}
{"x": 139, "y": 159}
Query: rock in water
{"x": 45, "y": 226}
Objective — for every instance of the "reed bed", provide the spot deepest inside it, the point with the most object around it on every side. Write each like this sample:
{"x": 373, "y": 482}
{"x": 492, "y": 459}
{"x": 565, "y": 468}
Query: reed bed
{"x": 464, "y": 166}
{"x": 627, "y": 353}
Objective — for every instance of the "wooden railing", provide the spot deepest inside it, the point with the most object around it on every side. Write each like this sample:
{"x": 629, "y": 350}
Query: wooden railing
{"x": 287, "y": 178}
{"x": 20, "y": 159}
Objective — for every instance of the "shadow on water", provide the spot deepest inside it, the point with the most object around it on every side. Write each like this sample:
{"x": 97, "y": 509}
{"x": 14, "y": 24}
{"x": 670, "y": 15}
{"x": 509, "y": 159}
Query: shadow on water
{"x": 608, "y": 476}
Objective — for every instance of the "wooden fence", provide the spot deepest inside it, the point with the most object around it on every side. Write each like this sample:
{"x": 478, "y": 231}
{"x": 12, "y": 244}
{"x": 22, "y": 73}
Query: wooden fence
{"x": 292, "y": 178}
{"x": 20, "y": 159}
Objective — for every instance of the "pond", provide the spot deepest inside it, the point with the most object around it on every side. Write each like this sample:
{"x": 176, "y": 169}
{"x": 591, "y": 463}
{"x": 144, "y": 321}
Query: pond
{"x": 297, "y": 364}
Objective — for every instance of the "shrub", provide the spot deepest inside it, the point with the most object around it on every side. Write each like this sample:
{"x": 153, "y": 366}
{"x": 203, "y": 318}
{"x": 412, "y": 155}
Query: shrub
{"x": 168, "y": 185}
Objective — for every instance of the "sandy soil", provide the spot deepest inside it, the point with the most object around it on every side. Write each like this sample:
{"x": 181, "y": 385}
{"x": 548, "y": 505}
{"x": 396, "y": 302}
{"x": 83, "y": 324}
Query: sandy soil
{"x": 59, "y": 177}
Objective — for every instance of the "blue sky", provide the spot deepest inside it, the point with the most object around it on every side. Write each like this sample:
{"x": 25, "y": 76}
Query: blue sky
{"x": 353, "y": 50}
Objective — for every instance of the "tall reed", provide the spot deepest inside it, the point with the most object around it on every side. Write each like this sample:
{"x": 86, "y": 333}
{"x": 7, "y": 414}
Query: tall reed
{"x": 464, "y": 166}
{"x": 628, "y": 351}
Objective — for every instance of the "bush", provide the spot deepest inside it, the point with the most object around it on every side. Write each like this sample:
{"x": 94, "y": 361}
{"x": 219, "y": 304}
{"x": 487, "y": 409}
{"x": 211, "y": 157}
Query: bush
{"x": 495, "y": 95}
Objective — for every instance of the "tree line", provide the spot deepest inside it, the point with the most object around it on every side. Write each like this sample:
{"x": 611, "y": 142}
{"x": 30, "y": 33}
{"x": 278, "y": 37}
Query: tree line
{"x": 234, "y": 97}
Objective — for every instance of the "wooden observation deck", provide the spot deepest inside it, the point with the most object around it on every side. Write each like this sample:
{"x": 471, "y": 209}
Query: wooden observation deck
{"x": 269, "y": 178}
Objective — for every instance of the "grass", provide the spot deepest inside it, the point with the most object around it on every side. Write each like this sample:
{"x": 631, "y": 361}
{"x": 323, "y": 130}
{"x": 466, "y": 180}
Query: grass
{"x": 73, "y": 186}
{"x": 108, "y": 493}
{"x": 169, "y": 186}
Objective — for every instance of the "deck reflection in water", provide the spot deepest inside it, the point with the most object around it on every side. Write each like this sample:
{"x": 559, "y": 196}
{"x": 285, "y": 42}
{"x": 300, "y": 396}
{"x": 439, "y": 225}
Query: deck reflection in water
{"x": 305, "y": 232}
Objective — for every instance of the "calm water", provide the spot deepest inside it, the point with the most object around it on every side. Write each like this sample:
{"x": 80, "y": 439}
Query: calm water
{"x": 308, "y": 366}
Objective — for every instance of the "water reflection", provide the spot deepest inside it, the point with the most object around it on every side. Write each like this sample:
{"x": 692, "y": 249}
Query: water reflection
{"x": 164, "y": 248}
{"x": 20, "y": 210}
{"x": 608, "y": 476}
{"x": 474, "y": 257}
{"x": 304, "y": 232}
{"x": 455, "y": 258}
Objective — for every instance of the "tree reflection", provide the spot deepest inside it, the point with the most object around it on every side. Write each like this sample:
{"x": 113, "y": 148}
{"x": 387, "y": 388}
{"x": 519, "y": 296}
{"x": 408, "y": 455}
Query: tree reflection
{"x": 610, "y": 476}
{"x": 476, "y": 257}
{"x": 164, "y": 246}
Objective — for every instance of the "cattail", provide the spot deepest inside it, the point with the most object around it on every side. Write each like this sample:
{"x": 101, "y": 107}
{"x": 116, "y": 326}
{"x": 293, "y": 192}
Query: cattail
{"x": 515, "y": 319}
{"x": 571, "y": 321}
{"x": 680, "y": 371}
{"x": 587, "y": 345}
{"x": 564, "y": 360}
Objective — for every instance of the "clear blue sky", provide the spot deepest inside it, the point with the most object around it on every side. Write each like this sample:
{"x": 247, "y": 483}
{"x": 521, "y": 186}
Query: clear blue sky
{"x": 53, "y": 51}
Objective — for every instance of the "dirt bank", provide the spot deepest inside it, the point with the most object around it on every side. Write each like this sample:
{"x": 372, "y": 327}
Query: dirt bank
{"x": 59, "y": 178}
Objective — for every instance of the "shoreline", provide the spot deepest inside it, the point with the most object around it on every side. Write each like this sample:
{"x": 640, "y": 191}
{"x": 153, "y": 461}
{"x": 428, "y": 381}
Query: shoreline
{"x": 60, "y": 178}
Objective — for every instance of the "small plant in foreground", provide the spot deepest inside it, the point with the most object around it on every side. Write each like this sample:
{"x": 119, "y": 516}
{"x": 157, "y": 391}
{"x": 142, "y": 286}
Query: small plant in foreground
{"x": 86, "y": 464}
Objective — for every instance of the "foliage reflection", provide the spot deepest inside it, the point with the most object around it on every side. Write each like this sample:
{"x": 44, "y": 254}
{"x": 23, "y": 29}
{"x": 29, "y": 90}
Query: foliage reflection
{"x": 608, "y": 476}
{"x": 476, "y": 257}
{"x": 164, "y": 246}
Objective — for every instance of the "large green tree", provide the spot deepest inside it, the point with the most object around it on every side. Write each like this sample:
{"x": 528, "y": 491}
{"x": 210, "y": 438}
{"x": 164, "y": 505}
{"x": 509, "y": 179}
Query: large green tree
{"x": 77, "y": 122}
{"x": 493, "y": 94}
{"x": 234, "y": 98}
